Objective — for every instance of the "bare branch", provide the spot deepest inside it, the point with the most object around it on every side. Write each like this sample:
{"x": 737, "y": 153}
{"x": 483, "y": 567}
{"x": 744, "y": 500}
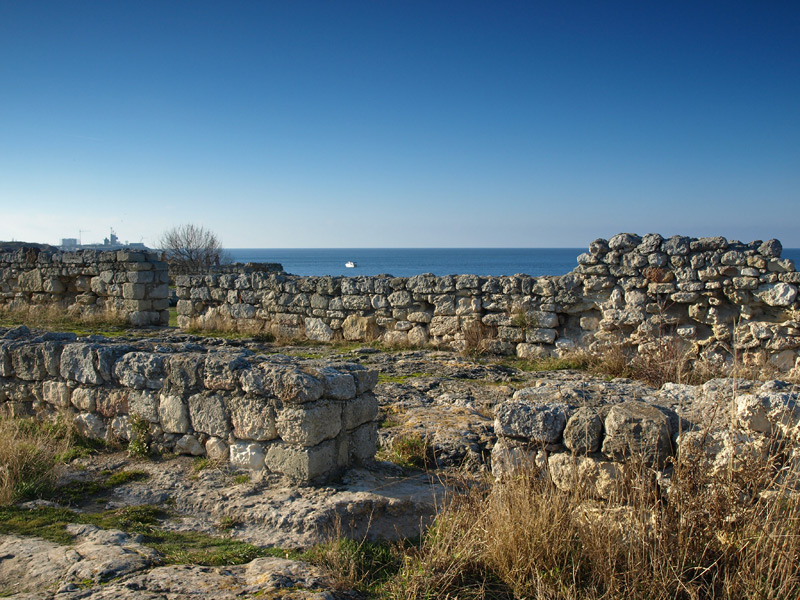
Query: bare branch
{"x": 191, "y": 248}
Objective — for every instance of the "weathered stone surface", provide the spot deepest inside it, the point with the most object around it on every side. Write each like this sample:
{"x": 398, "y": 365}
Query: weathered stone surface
{"x": 144, "y": 403}
{"x": 310, "y": 424}
{"x": 141, "y": 370}
{"x": 543, "y": 423}
{"x": 336, "y": 384}
{"x": 189, "y": 444}
{"x": 253, "y": 418}
{"x": 362, "y": 443}
{"x": 78, "y": 363}
{"x": 173, "y": 414}
{"x": 637, "y": 430}
{"x": 90, "y": 425}
{"x": 769, "y": 413}
{"x": 56, "y": 393}
{"x": 288, "y": 383}
{"x": 217, "y": 449}
{"x": 777, "y": 294}
{"x": 209, "y": 414}
{"x": 222, "y": 370}
{"x": 306, "y": 464}
{"x": 512, "y": 456}
{"x": 318, "y": 330}
{"x": 601, "y": 478}
{"x": 185, "y": 372}
{"x": 583, "y": 431}
{"x": 362, "y": 329}
{"x": 247, "y": 455}
{"x": 360, "y": 410}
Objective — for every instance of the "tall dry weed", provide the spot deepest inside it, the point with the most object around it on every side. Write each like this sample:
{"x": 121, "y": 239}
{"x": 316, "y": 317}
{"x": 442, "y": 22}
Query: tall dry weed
{"x": 706, "y": 535}
{"x": 29, "y": 454}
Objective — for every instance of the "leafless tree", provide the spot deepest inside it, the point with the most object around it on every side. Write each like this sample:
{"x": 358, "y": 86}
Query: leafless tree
{"x": 190, "y": 248}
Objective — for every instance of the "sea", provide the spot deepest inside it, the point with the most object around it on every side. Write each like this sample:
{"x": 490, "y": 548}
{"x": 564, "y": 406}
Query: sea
{"x": 406, "y": 262}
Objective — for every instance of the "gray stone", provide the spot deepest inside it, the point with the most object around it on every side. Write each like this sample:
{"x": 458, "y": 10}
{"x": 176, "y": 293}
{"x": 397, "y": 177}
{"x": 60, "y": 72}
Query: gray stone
{"x": 188, "y": 444}
{"x": 253, "y": 418}
{"x": 512, "y": 456}
{"x": 536, "y": 422}
{"x": 318, "y": 330}
{"x": 310, "y": 424}
{"x": 222, "y": 370}
{"x": 90, "y": 425}
{"x": 338, "y": 385}
{"x": 217, "y": 449}
{"x": 209, "y": 414}
{"x": 777, "y": 294}
{"x": 637, "y": 430}
{"x": 173, "y": 414}
{"x": 304, "y": 464}
{"x": 56, "y": 393}
{"x": 583, "y": 431}
{"x": 78, "y": 363}
{"x": 361, "y": 409}
{"x": 143, "y": 403}
{"x": 141, "y": 370}
{"x": 185, "y": 372}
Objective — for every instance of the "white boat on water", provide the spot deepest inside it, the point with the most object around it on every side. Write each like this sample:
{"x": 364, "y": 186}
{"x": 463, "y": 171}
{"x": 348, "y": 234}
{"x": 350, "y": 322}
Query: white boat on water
{"x": 350, "y": 264}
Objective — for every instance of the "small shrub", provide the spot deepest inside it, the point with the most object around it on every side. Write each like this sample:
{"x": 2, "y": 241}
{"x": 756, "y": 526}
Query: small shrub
{"x": 139, "y": 444}
{"x": 410, "y": 451}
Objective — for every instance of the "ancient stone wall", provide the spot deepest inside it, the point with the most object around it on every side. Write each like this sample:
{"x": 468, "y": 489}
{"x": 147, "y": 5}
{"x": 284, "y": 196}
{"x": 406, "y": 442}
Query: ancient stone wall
{"x": 721, "y": 298}
{"x": 134, "y": 284}
{"x": 305, "y": 421}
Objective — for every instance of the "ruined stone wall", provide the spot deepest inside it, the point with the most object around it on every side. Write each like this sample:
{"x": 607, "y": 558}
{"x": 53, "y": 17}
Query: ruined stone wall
{"x": 715, "y": 295}
{"x": 304, "y": 421}
{"x": 134, "y": 284}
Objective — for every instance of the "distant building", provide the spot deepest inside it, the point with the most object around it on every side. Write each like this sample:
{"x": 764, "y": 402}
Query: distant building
{"x": 110, "y": 243}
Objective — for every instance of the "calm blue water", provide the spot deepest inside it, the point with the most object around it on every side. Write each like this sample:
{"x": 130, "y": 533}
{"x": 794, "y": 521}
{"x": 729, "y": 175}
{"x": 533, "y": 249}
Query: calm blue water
{"x": 405, "y": 262}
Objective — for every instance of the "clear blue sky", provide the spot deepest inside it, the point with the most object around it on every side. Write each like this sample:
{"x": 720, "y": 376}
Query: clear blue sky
{"x": 399, "y": 123}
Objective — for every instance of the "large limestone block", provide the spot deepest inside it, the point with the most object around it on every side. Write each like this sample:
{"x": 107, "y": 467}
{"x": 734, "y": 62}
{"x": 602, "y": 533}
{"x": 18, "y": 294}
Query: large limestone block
{"x": 247, "y": 455}
{"x": 535, "y": 422}
{"x": 143, "y": 403}
{"x": 769, "y": 413}
{"x": 512, "y": 456}
{"x": 288, "y": 383}
{"x": 777, "y": 294}
{"x": 90, "y": 425}
{"x": 222, "y": 370}
{"x": 601, "y": 478}
{"x": 583, "y": 431}
{"x": 361, "y": 329}
{"x": 84, "y": 399}
{"x": 721, "y": 449}
{"x": 110, "y": 403}
{"x": 56, "y": 393}
{"x": 361, "y": 409}
{"x": 637, "y": 430}
{"x": 363, "y": 443}
{"x": 253, "y": 418}
{"x": 304, "y": 464}
{"x": 79, "y": 363}
{"x": 189, "y": 444}
{"x": 30, "y": 281}
{"x": 209, "y": 414}
{"x": 310, "y": 424}
{"x": 337, "y": 384}
{"x": 185, "y": 372}
{"x": 141, "y": 370}
{"x": 318, "y": 330}
{"x": 173, "y": 414}
{"x": 28, "y": 361}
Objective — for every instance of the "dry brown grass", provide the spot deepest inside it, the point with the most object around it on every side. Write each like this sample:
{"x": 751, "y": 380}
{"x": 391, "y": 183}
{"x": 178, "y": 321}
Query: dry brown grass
{"x": 29, "y": 453}
{"x": 712, "y": 536}
{"x": 57, "y": 318}
{"x": 218, "y": 325}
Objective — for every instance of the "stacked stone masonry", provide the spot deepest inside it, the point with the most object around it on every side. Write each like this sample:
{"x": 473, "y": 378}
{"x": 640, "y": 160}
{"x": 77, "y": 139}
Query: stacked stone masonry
{"x": 305, "y": 421}
{"x": 593, "y": 446}
{"x": 720, "y": 297}
{"x": 133, "y": 284}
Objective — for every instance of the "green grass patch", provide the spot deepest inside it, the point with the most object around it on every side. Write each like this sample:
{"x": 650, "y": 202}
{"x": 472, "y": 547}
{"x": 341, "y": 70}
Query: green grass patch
{"x": 78, "y": 491}
{"x": 382, "y": 378}
{"x": 410, "y": 451}
{"x": 363, "y": 566}
{"x": 579, "y": 363}
{"x": 173, "y": 316}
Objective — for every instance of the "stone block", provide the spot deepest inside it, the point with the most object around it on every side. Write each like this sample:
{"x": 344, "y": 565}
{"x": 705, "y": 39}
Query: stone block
{"x": 56, "y": 393}
{"x": 141, "y": 370}
{"x": 363, "y": 443}
{"x": 583, "y": 431}
{"x": 309, "y": 424}
{"x": 133, "y": 291}
{"x": 359, "y": 410}
{"x": 222, "y": 370}
{"x": 173, "y": 414}
{"x": 303, "y": 464}
{"x": 209, "y": 414}
{"x": 253, "y": 418}
{"x": 189, "y": 444}
{"x": 143, "y": 403}
{"x": 535, "y": 422}
{"x": 318, "y": 330}
{"x": 637, "y": 430}
{"x": 111, "y": 403}
{"x": 90, "y": 425}
{"x": 78, "y": 363}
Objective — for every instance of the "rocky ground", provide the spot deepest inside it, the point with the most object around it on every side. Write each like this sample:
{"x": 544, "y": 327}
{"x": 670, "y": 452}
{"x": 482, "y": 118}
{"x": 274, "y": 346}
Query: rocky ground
{"x": 442, "y": 401}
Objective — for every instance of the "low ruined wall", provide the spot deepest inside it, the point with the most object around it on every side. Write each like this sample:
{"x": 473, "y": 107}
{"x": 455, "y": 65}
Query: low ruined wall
{"x": 720, "y": 297}
{"x": 134, "y": 284}
{"x": 306, "y": 422}
{"x": 724, "y": 424}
